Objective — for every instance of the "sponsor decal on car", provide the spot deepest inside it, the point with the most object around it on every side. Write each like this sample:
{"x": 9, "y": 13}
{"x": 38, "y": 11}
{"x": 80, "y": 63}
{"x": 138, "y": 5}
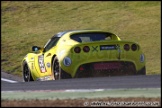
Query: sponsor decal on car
{"x": 41, "y": 63}
{"x": 107, "y": 47}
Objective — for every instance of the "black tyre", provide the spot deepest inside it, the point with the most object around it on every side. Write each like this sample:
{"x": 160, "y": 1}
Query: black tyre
{"x": 142, "y": 71}
{"x": 58, "y": 72}
{"x": 26, "y": 73}
{"x": 56, "y": 69}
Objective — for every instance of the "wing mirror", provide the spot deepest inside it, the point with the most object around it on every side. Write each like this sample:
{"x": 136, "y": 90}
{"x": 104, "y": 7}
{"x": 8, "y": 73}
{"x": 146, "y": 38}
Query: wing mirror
{"x": 36, "y": 48}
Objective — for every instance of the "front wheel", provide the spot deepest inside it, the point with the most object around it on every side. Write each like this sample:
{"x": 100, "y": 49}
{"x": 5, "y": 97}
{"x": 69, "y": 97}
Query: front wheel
{"x": 26, "y": 73}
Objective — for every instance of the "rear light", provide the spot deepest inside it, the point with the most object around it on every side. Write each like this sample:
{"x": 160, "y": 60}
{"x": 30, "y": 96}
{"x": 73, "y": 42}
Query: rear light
{"x": 126, "y": 47}
{"x": 77, "y": 49}
{"x": 134, "y": 47}
{"x": 86, "y": 49}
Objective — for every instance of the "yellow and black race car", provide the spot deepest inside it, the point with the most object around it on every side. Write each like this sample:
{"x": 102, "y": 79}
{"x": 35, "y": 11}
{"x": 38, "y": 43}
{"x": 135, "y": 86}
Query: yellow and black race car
{"x": 83, "y": 53}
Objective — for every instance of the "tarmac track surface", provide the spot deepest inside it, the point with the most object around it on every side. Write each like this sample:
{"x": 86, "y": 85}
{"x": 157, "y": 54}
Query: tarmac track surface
{"x": 140, "y": 81}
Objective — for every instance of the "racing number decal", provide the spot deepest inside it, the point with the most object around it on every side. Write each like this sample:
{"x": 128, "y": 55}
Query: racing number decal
{"x": 41, "y": 63}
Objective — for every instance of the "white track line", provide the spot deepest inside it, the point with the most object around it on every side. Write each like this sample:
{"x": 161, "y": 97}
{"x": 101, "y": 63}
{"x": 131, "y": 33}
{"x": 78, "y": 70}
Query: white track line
{"x": 7, "y": 80}
{"x": 83, "y": 90}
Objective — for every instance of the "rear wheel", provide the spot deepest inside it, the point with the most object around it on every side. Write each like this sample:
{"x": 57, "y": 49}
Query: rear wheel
{"x": 58, "y": 72}
{"x": 26, "y": 73}
{"x": 56, "y": 69}
{"x": 142, "y": 71}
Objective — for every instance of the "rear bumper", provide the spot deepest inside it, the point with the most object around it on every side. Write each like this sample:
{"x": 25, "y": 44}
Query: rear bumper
{"x": 111, "y": 68}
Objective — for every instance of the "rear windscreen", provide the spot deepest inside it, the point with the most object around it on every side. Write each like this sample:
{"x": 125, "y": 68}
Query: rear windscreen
{"x": 88, "y": 37}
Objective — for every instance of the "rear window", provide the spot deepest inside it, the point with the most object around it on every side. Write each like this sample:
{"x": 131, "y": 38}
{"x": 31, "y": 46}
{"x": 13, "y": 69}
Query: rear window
{"x": 89, "y": 37}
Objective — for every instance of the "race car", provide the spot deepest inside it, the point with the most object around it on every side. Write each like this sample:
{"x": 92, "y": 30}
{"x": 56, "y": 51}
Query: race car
{"x": 83, "y": 53}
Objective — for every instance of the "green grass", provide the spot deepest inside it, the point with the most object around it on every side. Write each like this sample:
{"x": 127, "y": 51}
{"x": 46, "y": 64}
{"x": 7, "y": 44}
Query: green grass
{"x": 28, "y": 23}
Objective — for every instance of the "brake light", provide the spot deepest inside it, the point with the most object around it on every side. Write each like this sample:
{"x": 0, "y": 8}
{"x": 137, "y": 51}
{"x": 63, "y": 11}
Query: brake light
{"x": 77, "y": 49}
{"x": 86, "y": 49}
{"x": 126, "y": 47}
{"x": 134, "y": 47}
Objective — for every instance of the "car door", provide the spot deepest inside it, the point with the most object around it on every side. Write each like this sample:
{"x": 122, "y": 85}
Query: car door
{"x": 49, "y": 51}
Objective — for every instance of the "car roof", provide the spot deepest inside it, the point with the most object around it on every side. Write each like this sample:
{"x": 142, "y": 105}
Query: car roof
{"x": 60, "y": 34}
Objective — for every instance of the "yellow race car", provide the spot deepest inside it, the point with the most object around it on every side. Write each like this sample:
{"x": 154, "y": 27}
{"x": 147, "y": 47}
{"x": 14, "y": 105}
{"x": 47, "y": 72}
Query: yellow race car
{"x": 83, "y": 53}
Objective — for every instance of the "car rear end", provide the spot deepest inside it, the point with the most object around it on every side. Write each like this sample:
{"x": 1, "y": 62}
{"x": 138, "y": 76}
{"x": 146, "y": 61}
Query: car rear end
{"x": 103, "y": 54}
{"x": 106, "y": 59}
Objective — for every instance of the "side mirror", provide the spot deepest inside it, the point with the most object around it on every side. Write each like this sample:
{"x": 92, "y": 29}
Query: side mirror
{"x": 36, "y": 48}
